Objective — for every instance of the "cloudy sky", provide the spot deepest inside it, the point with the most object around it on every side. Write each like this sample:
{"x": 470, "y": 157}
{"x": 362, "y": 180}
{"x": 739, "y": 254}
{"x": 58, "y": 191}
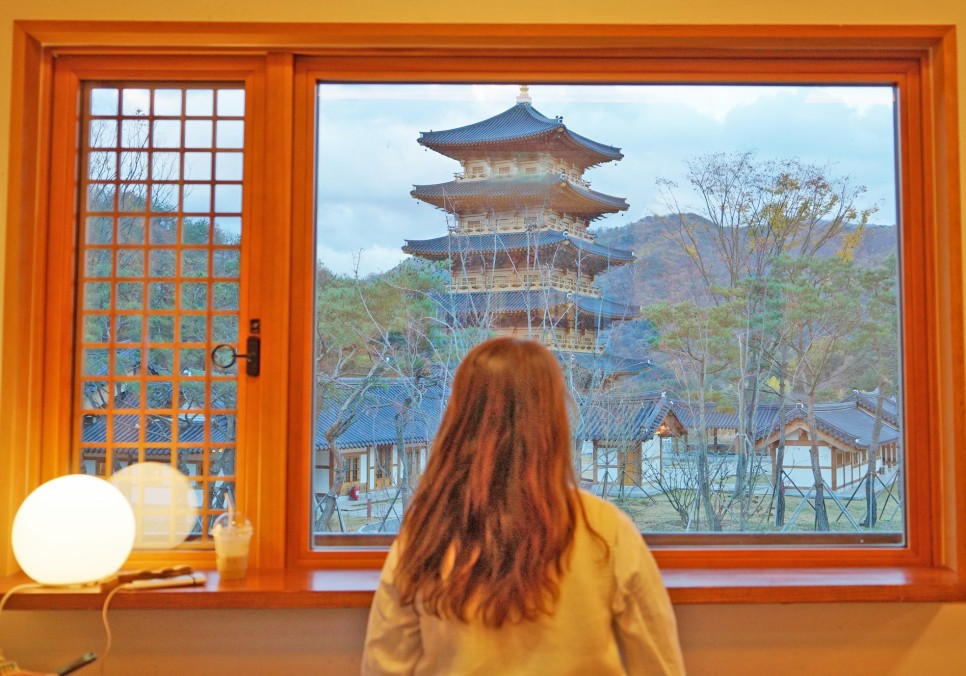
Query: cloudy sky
{"x": 368, "y": 157}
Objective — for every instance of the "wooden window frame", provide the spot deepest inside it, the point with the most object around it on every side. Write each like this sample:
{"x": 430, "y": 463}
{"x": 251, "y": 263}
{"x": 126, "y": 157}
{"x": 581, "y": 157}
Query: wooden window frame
{"x": 353, "y": 468}
{"x": 383, "y": 470}
{"x": 283, "y": 61}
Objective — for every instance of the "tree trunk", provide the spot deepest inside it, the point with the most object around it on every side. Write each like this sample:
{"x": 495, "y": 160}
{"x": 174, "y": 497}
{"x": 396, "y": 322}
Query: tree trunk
{"x": 872, "y": 508}
{"x": 704, "y": 479}
{"x": 405, "y": 480}
{"x": 821, "y": 513}
{"x": 741, "y": 471}
{"x": 780, "y": 460}
{"x": 746, "y": 457}
{"x": 337, "y": 467}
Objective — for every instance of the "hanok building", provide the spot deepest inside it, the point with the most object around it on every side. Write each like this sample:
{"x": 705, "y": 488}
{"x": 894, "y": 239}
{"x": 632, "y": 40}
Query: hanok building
{"x": 521, "y": 259}
{"x": 624, "y": 439}
{"x": 717, "y": 429}
{"x": 845, "y": 438}
{"x": 382, "y": 436}
{"x": 117, "y": 430}
{"x": 869, "y": 402}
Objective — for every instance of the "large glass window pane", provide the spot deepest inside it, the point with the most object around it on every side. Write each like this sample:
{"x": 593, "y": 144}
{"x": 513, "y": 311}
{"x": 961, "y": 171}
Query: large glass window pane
{"x": 715, "y": 267}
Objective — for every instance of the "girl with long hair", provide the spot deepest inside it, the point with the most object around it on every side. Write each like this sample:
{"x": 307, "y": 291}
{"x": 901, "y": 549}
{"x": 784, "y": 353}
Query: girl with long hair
{"x": 502, "y": 565}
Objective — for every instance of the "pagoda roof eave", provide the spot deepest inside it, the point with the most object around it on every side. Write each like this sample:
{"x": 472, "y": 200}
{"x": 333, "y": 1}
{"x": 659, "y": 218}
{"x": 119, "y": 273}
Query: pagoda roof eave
{"x": 531, "y": 300}
{"x": 441, "y": 248}
{"x": 519, "y": 127}
{"x": 608, "y": 364}
{"x": 547, "y": 190}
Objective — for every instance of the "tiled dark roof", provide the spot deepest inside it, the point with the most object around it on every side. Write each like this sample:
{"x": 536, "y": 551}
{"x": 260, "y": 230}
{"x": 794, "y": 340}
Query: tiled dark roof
{"x": 157, "y": 431}
{"x": 690, "y": 415}
{"x": 445, "y": 247}
{"x": 480, "y": 302}
{"x": 522, "y": 127}
{"x": 867, "y": 401}
{"x": 847, "y": 422}
{"x": 607, "y": 418}
{"x": 607, "y": 364}
{"x": 622, "y": 419}
{"x": 545, "y": 190}
{"x": 374, "y": 416}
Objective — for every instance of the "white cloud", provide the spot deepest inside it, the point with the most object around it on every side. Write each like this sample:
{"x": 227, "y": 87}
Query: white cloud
{"x": 860, "y": 99}
{"x": 370, "y": 159}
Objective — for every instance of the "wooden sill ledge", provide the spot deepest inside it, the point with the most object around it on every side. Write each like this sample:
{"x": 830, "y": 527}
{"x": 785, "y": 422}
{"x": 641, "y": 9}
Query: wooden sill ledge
{"x": 304, "y": 588}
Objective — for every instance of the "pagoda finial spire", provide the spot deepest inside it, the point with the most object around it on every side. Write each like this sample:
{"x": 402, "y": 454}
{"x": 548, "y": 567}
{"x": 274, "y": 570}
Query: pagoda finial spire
{"x": 524, "y": 96}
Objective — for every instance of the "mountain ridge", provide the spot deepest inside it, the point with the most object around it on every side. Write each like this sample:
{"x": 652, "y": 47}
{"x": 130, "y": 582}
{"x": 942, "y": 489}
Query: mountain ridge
{"x": 662, "y": 271}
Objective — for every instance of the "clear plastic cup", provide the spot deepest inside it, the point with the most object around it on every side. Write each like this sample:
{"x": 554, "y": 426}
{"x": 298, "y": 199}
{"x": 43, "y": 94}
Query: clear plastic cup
{"x": 233, "y": 535}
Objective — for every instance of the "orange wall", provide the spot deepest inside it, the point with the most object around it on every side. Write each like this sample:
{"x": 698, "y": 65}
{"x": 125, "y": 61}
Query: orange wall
{"x": 776, "y": 639}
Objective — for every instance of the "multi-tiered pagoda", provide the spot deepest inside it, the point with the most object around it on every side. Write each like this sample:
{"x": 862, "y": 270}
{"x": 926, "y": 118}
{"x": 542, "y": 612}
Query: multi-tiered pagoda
{"x": 522, "y": 261}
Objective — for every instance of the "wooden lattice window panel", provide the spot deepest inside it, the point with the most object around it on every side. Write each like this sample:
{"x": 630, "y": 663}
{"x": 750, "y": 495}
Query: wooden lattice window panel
{"x": 383, "y": 462}
{"x": 160, "y": 232}
{"x": 352, "y": 467}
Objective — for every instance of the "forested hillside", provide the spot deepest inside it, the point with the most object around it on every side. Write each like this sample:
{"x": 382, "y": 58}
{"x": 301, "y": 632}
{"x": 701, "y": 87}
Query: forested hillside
{"x": 664, "y": 272}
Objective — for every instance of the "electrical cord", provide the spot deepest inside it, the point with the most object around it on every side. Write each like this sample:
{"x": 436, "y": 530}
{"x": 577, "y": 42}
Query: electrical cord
{"x": 171, "y": 577}
{"x": 104, "y": 620}
{"x": 175, "y": 580}
{"x": 107, "y": 624}
{"x": 16, "y": 588}
{"x": 5, "y": 664}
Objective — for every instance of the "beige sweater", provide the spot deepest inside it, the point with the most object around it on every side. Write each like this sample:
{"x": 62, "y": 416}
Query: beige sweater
{"x": 613, "y": 617}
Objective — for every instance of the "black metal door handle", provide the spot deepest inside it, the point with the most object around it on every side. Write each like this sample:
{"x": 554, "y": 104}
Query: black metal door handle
{"x": 224, "y": 356}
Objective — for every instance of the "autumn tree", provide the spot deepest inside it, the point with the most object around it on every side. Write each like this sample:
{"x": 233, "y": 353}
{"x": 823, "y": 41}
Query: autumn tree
{"x": 822, "y": 298}
{"x": 698, "y": 340}
{"x": 752, "y": 214}
{"x": 876, "y": 343}
{"x": 368, "y": 329}
{"x": 753, "y": 211}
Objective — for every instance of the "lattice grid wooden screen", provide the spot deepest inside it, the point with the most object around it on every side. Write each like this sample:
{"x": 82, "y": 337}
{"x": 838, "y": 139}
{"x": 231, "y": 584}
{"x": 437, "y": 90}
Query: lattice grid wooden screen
{"x": 159, "y": 246}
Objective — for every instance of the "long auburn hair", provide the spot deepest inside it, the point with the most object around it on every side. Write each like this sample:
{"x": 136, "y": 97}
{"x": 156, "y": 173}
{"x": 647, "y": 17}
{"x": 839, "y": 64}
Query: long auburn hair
{"x": 490, "y": 526}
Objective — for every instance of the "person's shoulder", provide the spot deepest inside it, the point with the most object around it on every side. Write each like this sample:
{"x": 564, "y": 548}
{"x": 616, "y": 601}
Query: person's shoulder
{"x": 593, "y": 502}
{"x": 598, "y": 504}
{"x": 599, "y": 510}
{"x": 605, "y": 516}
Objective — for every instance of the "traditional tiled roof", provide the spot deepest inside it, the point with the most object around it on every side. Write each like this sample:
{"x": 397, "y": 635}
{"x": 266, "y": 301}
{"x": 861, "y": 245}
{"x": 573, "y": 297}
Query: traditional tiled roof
{"x": 448, "y": 246}
{"x": 690, "y": 415}
{"x": 480, "y": 302}
{"x": 374, "y": 416}
{"x": 521, "y": 128}
{"x": 541, "y": 190}
{"x": 126, "y": 430}
{"x": 606, "y": 419}
{"x": 867, "y": 401}
{"x": 622, "y": 419}
{"x": 846, "y": 422}
{"x": 606, "y": 364}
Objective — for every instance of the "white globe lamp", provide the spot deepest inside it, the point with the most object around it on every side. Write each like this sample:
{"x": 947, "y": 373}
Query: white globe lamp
{"x": 165, "y": 506}
{"x": 72, "y": 530}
